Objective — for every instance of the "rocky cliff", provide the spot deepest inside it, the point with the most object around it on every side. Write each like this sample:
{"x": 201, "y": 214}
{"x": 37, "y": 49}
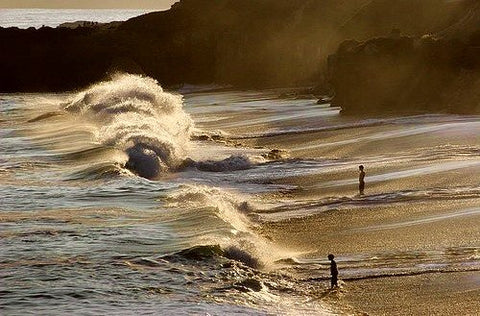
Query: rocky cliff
{"x": 264, "y": 43}
{"x": 413, "y": 17}
{"x": 248, "y": 43}
{"x": 438, "y": 72}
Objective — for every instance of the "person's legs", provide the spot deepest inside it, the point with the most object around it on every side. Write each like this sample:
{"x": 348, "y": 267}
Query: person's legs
{"x": 333, "y": 281}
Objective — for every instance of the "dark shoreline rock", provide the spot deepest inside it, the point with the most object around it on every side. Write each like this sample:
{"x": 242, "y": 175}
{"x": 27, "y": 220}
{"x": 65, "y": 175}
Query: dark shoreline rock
{"x": 271, "y": 43}
{"x": 405, "y": 75}
{"x": 246, "y": 44}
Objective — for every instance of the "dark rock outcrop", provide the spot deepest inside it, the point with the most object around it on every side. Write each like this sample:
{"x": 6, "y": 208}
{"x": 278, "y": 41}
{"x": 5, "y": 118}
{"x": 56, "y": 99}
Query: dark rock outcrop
{"x": 263, "y": 43}
{"x": 413, "y": 17}
{"x": 436, "y": 68}
{"x": 406, "y": 74}
{"x": 246, "y": 43}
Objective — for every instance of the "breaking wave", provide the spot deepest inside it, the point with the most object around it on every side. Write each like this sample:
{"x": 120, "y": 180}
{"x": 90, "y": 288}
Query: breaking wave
{"x": 224, "y": 225}
{"x": 135, "y": 115}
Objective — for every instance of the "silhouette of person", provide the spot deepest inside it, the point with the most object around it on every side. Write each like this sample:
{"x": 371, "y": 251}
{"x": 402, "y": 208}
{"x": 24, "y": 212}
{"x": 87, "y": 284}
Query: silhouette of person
{"x": 333, "y": 271}
{"x": 361, "y": 180}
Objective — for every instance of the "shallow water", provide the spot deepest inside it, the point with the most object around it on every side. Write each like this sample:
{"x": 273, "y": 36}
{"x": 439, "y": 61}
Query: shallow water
{"x": 107, "y": 194}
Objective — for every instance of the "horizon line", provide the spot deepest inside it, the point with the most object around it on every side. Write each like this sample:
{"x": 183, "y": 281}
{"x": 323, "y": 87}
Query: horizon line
{"x": 87, "y": 8}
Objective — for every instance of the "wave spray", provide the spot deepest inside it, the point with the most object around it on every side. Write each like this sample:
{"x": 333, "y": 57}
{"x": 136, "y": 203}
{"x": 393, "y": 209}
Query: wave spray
{"x": 135, "y": 115}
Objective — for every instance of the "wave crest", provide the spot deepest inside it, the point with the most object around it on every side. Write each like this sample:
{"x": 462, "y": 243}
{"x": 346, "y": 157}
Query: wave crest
{"x": 133, "y": 114}
{"x": 227, "y": 223}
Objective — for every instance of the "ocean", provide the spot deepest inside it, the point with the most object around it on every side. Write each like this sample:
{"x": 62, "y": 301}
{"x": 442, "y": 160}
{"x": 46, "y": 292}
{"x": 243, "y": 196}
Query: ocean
{"x": 128, "y": 199}
{"x": 125, "y": 198}
{"x": 25, "y": 18}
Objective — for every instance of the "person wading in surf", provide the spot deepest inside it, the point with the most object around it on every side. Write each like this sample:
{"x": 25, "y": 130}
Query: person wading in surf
{"x": 361, "y": 180}
{"x": 333, "y": 271}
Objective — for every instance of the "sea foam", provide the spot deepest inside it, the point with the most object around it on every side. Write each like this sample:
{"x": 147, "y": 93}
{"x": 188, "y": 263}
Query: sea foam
{"x": 135, "y": 115}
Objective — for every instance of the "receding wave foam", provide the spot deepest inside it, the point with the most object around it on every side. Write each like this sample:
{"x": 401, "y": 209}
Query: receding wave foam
{"x": 134, "y": 114}
{"x": 232, "y": 163}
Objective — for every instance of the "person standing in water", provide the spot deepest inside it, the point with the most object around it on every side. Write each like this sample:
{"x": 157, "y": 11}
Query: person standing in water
{"x": 333, "y": 271}
{"x": 361, "y": 180}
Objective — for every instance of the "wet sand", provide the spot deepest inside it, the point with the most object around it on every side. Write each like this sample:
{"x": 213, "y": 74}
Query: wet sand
{"x": 402, "y": 227}
{"x": 427, "y": 294}
{"x": 405, "y": 231}
{"x": 420, "y": 214}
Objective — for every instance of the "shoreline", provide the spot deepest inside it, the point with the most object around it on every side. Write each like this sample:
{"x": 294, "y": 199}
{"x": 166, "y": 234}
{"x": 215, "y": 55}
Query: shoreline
{"x": 420, "y": 268}
{"x": 425, "y": 294}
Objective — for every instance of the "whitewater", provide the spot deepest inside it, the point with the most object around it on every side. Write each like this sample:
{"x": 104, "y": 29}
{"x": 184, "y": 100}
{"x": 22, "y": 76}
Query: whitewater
{"x": 126, "y": 198}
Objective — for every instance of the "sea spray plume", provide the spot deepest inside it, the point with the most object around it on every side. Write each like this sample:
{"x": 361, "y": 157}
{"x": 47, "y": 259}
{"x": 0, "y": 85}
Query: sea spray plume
{"x": 229, "y": 224}
{"x": 134, "y": 114}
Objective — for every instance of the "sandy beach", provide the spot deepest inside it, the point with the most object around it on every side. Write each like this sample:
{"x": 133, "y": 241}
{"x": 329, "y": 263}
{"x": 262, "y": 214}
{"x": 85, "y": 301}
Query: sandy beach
{"x": 414, "y": 252}
{"x": 260, "y": 205}
{"x": 454, "y": 293}
{"x": 412, "y": 236}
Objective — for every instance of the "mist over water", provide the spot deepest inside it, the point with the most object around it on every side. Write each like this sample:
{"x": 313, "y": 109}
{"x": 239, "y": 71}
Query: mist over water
{"x": 25, "y": 18}
{"x": 125, "y": 197}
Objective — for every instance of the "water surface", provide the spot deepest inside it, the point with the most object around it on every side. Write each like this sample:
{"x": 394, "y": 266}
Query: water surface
{"x": 125, "y": 198}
